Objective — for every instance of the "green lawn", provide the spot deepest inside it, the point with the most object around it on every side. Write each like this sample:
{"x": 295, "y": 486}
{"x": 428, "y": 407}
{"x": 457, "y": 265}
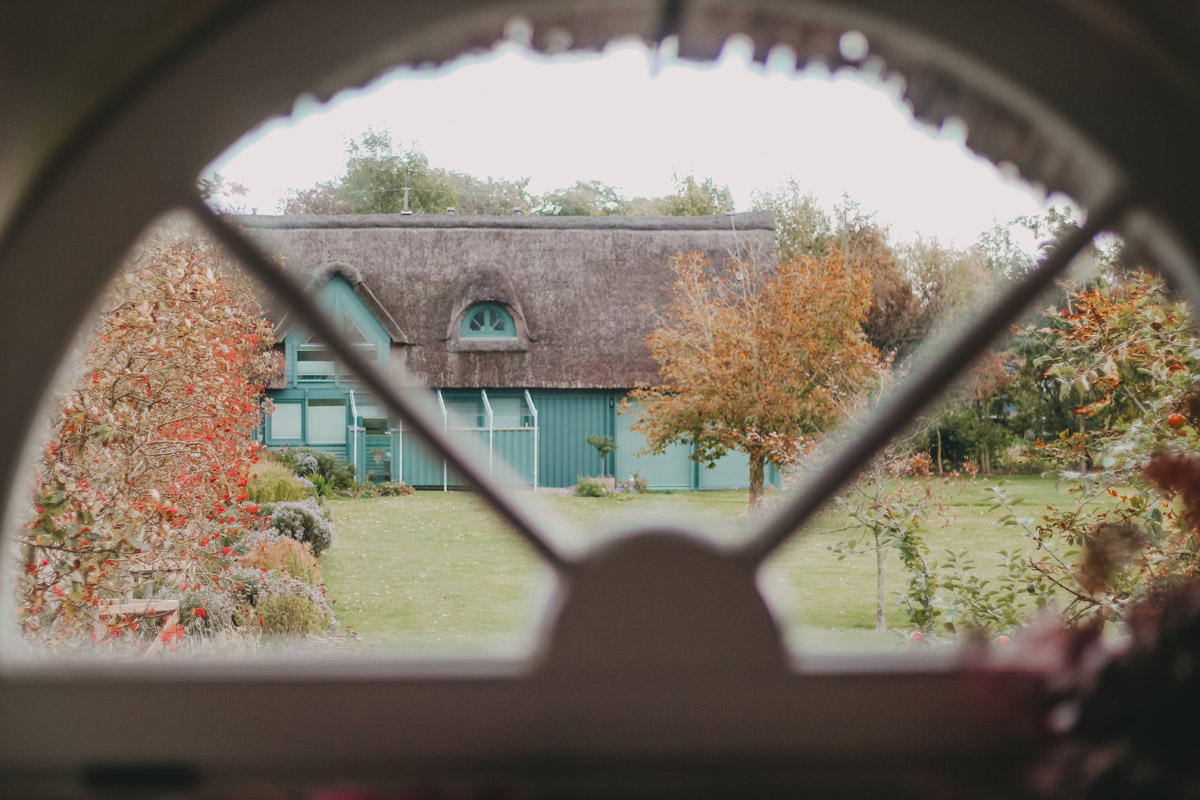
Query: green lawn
{"x": 439, "y": 570}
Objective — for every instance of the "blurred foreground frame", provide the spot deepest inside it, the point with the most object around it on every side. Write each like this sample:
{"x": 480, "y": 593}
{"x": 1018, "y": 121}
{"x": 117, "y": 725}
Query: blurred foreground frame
{"x": 665, "y": 676}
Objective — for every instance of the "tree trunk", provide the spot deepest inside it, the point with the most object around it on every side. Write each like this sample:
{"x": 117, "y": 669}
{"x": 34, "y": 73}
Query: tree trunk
{"x": 757, "y": 470}
{"x": 877, "y": 476}
{"x": 880, "y": 625}
{"x": 1083, "y": 461}
{"x": 939, "y": 449}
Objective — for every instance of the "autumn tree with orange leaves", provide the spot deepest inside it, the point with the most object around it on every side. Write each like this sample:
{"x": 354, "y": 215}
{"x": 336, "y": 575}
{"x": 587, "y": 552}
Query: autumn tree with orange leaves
{"x": 758, "y": 359}
{"x": 146, "y": 464}
{"x": 1128, "y": 528}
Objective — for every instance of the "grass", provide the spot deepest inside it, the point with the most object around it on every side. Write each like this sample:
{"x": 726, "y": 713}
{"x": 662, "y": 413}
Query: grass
{"x": 439, "y": 570}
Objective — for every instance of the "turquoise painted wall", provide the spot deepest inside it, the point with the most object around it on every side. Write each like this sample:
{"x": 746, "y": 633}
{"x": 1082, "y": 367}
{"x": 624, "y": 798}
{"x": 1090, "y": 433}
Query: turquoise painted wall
{"x": 565, "y": 417}
{"x": 674, "y": 469}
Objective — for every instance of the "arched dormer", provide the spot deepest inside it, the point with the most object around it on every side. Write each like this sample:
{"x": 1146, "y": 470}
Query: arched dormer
{"x": 487, "y": 321}
{"x": 488, "y": 325}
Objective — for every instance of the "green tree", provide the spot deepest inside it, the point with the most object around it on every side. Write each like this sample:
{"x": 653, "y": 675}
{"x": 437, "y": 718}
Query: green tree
{"x": 324, "y": 198}
{"x": 489, "y": 195}
{"x": 802, "y": 227}
{"x": 695, "y": 199}
{"x": 378, "y": 172}
{"x": 604, "y": 445}
{"x": 582, "y": 199}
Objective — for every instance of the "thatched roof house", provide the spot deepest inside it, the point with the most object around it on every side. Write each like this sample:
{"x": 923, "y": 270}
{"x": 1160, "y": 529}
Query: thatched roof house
{"x": 530, "y": 329}
{"x": 578, "y": 288}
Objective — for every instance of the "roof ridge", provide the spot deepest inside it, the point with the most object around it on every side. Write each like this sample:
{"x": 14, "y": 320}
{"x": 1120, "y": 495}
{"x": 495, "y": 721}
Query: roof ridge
{"x": 753, "y": 220}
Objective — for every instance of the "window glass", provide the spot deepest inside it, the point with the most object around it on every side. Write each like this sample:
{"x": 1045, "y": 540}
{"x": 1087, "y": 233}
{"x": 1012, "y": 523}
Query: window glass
{"x": 352, "y": 332}
{"x": 465, "y": 412}
{"x": 508, "y": 412}
{"x": 488, "y": 321}
{"x": 285, "y": 421}
{"x": 314, "y": 362}
{"x": 327, "y": 421}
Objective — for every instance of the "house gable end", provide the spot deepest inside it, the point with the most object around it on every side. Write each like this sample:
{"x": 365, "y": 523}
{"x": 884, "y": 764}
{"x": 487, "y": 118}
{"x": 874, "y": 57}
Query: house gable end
{"x": 349, "y": 278}
{"x": 308, "y": 362}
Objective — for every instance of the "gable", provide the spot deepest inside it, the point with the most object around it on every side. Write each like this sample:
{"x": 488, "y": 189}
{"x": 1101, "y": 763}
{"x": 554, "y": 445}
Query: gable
{"x": 307, "y": 359}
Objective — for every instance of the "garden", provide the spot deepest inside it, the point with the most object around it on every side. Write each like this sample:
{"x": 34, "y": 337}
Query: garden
{"x": 1061, "y": 475}
{"x": 439, "y": 570}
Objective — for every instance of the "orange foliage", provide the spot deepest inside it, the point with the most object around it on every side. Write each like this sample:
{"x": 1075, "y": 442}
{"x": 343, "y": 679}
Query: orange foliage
{"x": 758, "y": 359}
{"x": 149, "y": 455}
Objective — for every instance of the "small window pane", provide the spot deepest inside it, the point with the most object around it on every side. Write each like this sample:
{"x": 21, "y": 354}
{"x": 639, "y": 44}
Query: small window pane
{"x": 285, "y": 421}
{"x": 465, "y": 413}
{"x": 353, "y": 333}
{"x": 327, "y": 422}
{"x": 507, "y": 411}
{"x": 488, "y": 321}
{"x": 314, "y": 362}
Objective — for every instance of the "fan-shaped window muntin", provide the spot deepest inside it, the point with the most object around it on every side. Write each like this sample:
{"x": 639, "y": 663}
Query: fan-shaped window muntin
{"x": 488, "y": 321}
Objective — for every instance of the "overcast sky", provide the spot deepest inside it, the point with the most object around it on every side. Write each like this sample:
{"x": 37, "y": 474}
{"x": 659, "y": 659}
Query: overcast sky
{"x": 616, "y": 118}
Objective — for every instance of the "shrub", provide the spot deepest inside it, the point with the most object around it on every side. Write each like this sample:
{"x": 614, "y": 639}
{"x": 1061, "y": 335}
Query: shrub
{"x": 394, "y": 489}
{"x": 314, "y": 464}
{"x": 285, "y": 555}
{"x": 590, "y": 487}
{"x": 282, "y": 604}
{"x": 302, "y": 520}
{"x": 274, "y": 482}
{"x": 206, "y": 609}
{"x": 635, "y": 483}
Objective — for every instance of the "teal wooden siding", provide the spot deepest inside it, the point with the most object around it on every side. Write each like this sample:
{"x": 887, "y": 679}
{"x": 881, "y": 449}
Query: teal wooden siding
{"x": 309, "y": 417}
{"x": 674, "y": 469}
{"x": 421, "y": 466}
{"x": 565, "y": 418}
{"x": 377, "y": 458}
{"x": 731, "y": 472}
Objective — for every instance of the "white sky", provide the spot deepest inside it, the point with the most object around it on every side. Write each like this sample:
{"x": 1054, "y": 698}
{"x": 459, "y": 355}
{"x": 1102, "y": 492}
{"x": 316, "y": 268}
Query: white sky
{"x": 615, "y": 118}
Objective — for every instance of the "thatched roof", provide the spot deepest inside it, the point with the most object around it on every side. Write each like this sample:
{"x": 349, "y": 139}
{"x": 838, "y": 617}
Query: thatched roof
{"x": 578, "y": 287}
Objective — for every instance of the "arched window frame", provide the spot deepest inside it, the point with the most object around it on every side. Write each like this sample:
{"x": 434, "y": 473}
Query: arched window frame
{"x": 490, "y": 311}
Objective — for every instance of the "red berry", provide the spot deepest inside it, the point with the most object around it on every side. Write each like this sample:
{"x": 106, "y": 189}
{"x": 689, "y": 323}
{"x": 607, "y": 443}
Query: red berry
{"x": 1175, "y": 421}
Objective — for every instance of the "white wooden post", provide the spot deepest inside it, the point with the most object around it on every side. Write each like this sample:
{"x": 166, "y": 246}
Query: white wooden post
{"x": 533, "y": 408}
{"x": 487, "y": 406}
{"x": 445, "y": 430}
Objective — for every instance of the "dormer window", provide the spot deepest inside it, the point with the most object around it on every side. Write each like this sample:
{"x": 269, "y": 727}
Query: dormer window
{"x": 488, "y": 321}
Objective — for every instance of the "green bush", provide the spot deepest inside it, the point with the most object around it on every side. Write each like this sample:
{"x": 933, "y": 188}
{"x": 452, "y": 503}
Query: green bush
{"x": 590, "y": 487}
{"x": 274, "y": 482}
{"x": 302, "y": 520}
{"x": 394, "y": 489}
{"x": 283, "y": 605}
{"x": 314, "y": 464}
